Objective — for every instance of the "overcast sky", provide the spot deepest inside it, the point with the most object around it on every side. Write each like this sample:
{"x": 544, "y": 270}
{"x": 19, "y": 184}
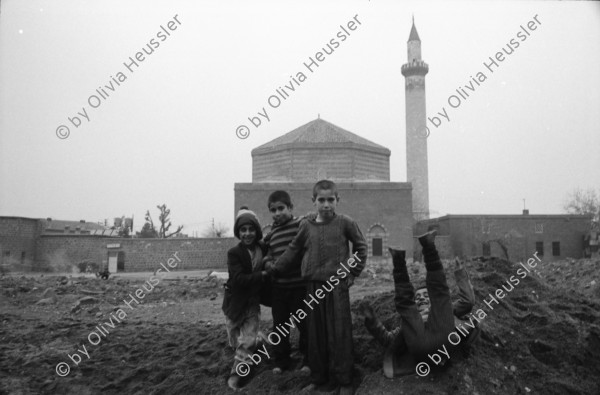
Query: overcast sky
{"x": 166, "y": 133}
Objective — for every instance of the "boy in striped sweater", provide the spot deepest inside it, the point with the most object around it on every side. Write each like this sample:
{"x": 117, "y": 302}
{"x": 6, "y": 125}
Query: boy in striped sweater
{"x": 289, "y": 289}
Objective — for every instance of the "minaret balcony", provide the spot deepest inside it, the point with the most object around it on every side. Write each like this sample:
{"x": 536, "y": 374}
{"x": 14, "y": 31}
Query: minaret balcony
{"x": 416, "y": 67}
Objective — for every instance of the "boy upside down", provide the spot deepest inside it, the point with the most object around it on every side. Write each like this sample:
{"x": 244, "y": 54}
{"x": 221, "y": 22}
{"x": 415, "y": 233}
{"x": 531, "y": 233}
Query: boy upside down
{"x": 428, "y": 315}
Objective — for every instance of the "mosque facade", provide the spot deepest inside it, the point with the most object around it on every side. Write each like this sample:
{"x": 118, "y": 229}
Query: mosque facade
{"x": 360, "y": 168}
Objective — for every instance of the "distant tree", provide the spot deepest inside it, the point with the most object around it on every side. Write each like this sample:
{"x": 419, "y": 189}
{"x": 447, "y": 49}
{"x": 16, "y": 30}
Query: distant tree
{"x": 492, "y": 232}
{"x": 503, "y": 243}
{"x": 583, "y": 202}
{"x": 218, "y": 230}
{"x": 148, "y": 231}
{"x": 165, "y": 223}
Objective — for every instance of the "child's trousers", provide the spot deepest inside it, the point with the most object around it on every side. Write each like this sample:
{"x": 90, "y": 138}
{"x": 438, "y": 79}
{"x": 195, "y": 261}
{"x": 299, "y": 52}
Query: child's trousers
{"x": 329, "y": 333}
{"x": 242, "y": 336}
{"x": 287, "y": 301}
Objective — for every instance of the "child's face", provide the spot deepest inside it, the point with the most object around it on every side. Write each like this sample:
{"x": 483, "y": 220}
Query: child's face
{"x": 247, "y": 234}
{"x": 423, "y": 303}
{"x": 325, "y": 202}
{"x": 281, "y": 212}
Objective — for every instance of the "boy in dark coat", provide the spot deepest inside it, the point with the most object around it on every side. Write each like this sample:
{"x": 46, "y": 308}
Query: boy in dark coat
{"x": 241, "y": 303}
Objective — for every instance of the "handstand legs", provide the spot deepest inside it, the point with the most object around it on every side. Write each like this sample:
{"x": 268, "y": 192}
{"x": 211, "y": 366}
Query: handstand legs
{"x": 422, "y": 337}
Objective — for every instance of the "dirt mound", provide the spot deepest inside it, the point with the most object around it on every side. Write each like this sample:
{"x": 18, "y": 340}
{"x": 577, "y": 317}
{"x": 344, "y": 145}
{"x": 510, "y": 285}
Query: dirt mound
{"x": 542, "y": 337}
{"x": 538, "y": 338}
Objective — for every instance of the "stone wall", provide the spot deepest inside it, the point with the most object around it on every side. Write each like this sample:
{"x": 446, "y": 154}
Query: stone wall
{"x": 62, "y": 253}
{"x": 17, "y": 242}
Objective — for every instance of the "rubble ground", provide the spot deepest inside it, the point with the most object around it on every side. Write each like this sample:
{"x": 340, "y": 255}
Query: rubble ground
{"x": 543, "y": 337}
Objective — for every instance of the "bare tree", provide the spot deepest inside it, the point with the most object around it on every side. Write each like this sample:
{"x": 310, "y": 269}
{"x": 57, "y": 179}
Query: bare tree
{"x": 583, "y": 202}
{"x": 503, "y": 243}
{"x": 165, "y": 223}
{"x": 149, "y": 230}
{"x": 491, "y": 232}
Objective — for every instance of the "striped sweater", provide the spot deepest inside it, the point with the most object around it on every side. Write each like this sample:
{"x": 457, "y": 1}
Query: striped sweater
{"x": 277, "y": 242}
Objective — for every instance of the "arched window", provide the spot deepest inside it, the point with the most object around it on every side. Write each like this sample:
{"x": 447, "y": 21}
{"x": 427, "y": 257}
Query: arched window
{"x": 377, "y": 239}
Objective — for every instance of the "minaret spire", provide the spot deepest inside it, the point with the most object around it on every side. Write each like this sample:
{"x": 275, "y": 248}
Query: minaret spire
{"x": 416, "y": 128}
{"x": 414, "y": 43}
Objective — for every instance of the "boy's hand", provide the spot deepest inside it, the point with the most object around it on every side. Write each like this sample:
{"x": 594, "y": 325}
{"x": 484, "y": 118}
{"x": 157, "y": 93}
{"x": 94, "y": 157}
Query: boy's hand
{"x": 350, "y": 280}
{"x": 270, "y": 268}
{"x": 311, "y": 216}
{"x": 267, "y": 259}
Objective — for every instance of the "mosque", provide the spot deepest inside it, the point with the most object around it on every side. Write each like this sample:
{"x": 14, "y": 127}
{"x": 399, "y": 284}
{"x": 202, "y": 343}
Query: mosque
{"x": 384, "y": 210}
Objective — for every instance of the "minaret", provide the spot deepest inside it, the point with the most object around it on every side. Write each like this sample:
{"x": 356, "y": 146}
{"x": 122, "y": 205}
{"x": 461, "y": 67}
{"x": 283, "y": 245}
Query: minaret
{"x": 416, "y": 132}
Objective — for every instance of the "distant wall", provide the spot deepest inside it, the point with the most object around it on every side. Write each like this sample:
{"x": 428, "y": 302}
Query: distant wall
{"x": 18, "y": 242}
{"x": 62, "y": 252}
{"x": 25, "y": 247}
{"x": 520, "y": 233}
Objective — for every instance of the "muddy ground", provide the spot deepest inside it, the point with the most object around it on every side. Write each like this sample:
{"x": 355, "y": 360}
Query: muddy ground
{"x": 543, "y": 337}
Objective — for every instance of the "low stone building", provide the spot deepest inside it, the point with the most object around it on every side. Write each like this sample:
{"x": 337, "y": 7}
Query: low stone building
{"x": 552, "y": 236}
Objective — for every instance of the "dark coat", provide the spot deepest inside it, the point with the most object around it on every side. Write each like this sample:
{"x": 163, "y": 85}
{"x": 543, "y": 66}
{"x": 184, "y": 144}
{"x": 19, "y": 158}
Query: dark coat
{"x": 429, "y": 336}
{"x": 243, "y": 287}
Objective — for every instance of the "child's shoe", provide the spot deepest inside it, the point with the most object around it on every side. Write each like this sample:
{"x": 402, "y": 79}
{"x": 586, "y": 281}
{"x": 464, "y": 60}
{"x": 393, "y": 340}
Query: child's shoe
{"x": 309, "y": 389}
{"x": 428, "y": 239}
{"x": 234, "y": 382}
{"x": 305, "y": 370}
